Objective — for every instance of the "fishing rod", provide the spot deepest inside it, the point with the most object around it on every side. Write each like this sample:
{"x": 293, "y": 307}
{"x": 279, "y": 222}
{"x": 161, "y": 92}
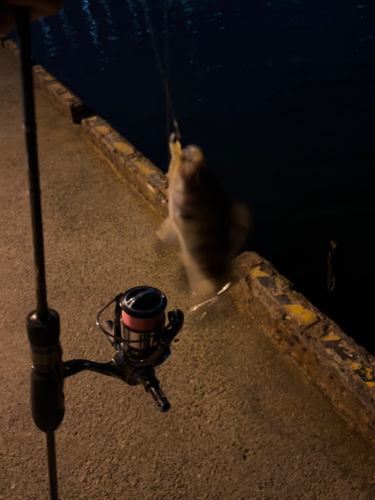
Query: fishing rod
{"x": 138, "y": 332}
{"x": 43, "y": 324}
{"x": 164, "y": 73}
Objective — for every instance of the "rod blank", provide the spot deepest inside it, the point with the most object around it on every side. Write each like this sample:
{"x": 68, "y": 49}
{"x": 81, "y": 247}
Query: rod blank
{"x": 29, "y": 125}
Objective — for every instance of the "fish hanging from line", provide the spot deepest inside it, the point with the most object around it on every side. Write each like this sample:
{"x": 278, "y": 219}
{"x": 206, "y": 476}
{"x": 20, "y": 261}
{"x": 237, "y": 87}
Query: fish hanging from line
{"x": 210, "y": 227}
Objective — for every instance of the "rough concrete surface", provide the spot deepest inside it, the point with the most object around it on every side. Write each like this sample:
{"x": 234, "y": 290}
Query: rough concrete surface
{"x": 245, "y": 421}
{"x": 336, "y": 363}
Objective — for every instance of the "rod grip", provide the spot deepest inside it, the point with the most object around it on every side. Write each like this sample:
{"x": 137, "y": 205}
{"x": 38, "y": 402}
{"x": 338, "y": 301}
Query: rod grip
{"x": 47, "y": 400}
{"x": 47, "y": 396}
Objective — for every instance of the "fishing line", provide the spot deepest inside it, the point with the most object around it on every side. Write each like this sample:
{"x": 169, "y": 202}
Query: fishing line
{"x": 166, "y": 64}
{"x": 164, "y": 74}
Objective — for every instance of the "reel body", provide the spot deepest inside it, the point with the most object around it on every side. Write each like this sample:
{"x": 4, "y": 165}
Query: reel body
{"x": 141, "y": 340}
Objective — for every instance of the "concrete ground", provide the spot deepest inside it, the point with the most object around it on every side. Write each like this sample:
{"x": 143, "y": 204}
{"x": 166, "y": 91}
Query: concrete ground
{"x": 245, "y": 421}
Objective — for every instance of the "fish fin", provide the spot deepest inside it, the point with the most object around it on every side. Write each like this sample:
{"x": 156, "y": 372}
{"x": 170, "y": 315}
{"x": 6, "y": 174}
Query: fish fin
{"x": 167, "y": 232}
{"x": 201, "y": 285}
{"x": 241, "y": 221}
{"x": 197, "y": 281}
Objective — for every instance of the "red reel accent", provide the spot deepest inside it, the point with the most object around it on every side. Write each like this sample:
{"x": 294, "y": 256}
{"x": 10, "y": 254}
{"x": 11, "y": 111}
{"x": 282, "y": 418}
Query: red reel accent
{"x": 143, "y": 324}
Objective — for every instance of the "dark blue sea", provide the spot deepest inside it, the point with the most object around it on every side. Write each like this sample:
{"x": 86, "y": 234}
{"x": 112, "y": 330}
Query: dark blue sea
{"x": 280, "y": 95}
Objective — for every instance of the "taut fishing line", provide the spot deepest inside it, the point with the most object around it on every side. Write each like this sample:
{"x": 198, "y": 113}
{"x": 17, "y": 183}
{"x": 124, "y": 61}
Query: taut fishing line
{"x": 164, "y": 73}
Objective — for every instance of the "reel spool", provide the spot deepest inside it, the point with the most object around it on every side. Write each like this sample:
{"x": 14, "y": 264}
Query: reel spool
{"x": 141, "y": 338}
{"x": 142, "y": 316}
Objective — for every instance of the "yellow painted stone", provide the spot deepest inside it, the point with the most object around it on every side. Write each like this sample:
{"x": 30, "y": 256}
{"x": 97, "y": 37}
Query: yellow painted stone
{"x": 68, "y": 95}
{"x": 151, "y": 193}
{"x": 355, "y": 366}
{"x": 257, "y": 273}
{"x": 146, "y": 170}
{"x": 329, "y": 337}
{"x": 123, "y": 147}
{"x": 368, "y": 373}
{"x": 371, "y": 384}
{"x": 102, "y": 129}
{"x": 300, "y": 314}
{"x": 57, "y": 86}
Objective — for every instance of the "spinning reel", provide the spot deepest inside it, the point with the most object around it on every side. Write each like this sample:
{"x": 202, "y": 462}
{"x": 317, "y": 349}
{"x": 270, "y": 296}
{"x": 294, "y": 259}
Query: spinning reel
{"x": 141, "y": 340}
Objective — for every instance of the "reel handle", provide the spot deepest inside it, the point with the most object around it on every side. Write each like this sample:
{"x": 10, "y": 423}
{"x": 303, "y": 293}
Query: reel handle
{"x": 151, "y": 384}
{"x": 159, "y": 397}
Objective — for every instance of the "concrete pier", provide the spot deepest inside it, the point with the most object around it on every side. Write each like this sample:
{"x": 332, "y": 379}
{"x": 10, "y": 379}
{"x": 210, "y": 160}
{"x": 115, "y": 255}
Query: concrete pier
{"x": 246, "y": 422}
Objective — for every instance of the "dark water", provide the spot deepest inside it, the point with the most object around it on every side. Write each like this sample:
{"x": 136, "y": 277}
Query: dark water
{"x": 281, "y": 97}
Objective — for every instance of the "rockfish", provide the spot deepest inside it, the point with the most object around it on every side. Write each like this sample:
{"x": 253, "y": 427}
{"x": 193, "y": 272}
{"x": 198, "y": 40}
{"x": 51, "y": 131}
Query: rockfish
{"x": 210, "y": 227}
